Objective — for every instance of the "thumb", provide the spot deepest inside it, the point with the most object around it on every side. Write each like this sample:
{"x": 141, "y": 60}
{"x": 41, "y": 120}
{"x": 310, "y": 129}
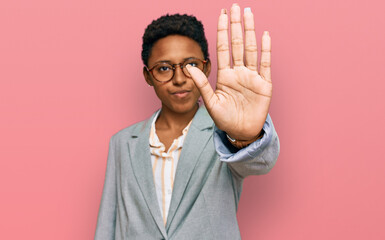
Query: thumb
{"x": 202, "y": 83}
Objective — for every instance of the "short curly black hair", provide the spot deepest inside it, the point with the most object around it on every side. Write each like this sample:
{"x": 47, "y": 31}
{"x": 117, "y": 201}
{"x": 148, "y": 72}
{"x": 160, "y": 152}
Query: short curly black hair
{"x": 185, "y": 25}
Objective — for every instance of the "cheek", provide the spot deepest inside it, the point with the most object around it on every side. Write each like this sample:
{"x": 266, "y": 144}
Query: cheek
{"x": 160, "y": 92}
{"x": 196, "y": 91}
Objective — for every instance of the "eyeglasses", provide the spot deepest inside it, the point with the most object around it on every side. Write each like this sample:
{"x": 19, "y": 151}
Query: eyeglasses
{"x": 164, "y": 72}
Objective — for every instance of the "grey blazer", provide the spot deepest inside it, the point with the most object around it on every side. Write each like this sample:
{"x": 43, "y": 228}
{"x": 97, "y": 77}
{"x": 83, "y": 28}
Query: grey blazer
{"x": 208, "y": 184}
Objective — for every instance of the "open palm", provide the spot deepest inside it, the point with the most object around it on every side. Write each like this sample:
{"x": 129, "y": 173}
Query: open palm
{"x": 240, "y": 103}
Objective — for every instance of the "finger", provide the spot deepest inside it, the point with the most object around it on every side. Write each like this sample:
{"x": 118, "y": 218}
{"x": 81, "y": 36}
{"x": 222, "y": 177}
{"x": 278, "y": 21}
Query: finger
{"x": 236, "y": 35}
{"x": 264, "y": 69}
{"x": 202, "y": 83}
{"x": 251, "y": 50}
{"x": 223, "y": 54}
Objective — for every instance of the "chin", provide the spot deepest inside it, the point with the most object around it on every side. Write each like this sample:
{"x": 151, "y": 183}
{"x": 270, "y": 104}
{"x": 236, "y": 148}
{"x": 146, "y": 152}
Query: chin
{"x": 184, "y": 108}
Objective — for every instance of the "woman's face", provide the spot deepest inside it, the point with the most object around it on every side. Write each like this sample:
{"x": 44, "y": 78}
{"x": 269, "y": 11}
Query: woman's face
{"x": 179, "y": 95}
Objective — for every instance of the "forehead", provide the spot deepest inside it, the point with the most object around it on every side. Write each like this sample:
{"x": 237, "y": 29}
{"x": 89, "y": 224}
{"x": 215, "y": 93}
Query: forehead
{"x": 174, "y": 48}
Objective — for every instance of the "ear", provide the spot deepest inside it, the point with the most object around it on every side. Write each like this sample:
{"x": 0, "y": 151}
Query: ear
{"x": 147, "y": 76}
{"x": 208, "y": 68}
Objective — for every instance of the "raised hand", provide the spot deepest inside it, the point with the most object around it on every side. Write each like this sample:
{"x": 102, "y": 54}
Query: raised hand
{"x": 240, "y": 103}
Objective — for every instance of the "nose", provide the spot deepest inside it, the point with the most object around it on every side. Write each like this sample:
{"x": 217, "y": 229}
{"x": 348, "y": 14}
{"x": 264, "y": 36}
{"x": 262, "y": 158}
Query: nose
{"x": 179, "y": 77}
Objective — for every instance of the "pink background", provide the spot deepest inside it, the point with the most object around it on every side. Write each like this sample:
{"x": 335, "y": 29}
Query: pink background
{"x": 70, "y": 74}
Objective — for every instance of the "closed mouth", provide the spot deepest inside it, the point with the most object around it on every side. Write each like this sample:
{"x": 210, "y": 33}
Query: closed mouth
{"x": 181, "y": 92}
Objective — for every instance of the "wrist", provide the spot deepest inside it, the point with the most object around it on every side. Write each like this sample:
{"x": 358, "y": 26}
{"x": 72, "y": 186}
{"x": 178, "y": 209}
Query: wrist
{"x": 244, "y": 143}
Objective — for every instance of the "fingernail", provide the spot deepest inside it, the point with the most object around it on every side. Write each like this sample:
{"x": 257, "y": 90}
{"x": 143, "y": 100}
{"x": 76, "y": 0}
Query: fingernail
{"x": 266, "y": 33}
{"x": 235, "y": 4}
{"x": 223, "y": 11}
{"x": 247, "y": 10}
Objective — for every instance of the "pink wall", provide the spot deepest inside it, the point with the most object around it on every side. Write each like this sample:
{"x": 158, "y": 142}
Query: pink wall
{"x": 70, "y": 77}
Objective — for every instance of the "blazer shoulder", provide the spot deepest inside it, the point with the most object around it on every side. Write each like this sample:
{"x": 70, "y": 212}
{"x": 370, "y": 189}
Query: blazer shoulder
{"x": 132, "y": 130}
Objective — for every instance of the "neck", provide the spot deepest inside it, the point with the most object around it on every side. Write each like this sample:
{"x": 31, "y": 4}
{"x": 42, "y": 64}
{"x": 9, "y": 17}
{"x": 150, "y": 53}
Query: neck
{"x": 172, "y": 120}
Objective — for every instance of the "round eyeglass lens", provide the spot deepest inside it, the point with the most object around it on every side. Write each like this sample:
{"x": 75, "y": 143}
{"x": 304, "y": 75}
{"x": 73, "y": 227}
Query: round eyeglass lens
{"x": 194, "y": 63}
{"x": 163, "y": 72}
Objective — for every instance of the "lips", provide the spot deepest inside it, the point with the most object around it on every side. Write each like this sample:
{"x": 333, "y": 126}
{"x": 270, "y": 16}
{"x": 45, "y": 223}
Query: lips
{"x": 181, "y": 93}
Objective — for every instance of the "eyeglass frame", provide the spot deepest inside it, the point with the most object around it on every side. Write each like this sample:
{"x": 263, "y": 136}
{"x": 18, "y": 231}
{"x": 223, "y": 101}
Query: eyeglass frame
{"x": 174, "y": 68}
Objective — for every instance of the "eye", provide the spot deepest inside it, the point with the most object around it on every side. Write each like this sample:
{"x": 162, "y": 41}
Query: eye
{"x": 193, "y": 64}
{"x": 163, "y": 68}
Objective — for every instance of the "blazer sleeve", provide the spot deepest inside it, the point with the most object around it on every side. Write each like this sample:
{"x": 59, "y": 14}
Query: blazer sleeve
{"x": 105, "y": 228}
{"x": 257, "y": 158}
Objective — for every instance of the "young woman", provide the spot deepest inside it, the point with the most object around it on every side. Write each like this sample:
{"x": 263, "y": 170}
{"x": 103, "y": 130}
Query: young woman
{"x": 178, "y": 175}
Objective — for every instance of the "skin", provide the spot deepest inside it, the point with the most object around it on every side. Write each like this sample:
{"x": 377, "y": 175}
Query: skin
{"x": 240, "y": 103}
{"x": 177, "y": 109}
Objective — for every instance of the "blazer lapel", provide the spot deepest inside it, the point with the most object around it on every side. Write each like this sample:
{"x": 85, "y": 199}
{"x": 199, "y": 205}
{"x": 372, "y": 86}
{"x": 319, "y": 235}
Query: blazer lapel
{"x": 193, "y": 145}
{"x": 141, "y": 164}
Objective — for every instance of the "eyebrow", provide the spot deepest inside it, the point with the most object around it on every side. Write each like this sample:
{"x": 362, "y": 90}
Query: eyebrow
{"x": 168, "y": 61}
